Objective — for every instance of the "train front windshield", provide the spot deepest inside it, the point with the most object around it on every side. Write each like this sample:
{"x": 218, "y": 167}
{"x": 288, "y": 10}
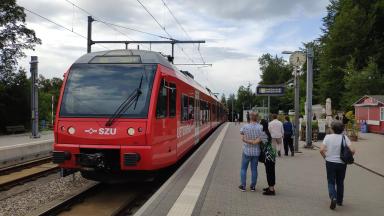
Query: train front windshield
{"x": 97, "y": 90}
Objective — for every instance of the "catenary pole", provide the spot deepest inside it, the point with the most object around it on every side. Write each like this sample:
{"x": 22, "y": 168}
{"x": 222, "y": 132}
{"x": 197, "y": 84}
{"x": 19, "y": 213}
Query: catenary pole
{"x": 297, "y": 107}
{"x": 308, "y": 131}
{"x": 34, "y": 97}
{"x": 89, "y": 35}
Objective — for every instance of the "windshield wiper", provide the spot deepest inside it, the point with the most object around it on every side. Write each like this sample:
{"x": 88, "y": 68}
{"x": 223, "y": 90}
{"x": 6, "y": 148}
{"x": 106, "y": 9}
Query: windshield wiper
{"x": 127, "y": 103}
{"x": 137, "y": 98}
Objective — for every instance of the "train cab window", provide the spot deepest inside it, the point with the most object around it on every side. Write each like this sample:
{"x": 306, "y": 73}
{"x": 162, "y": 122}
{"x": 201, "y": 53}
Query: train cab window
{"x": 184, "y": 108}
{"x": 191, "y": 109}
{"x": 172, "y": 99}
{"x": 161, "y": 108}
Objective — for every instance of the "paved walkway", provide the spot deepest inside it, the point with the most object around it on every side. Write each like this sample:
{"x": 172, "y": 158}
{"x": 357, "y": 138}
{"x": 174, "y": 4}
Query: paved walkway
{"x": 370, "y": 151}
{"x": 10, "y": 140}
{"x": 301, "y": 185}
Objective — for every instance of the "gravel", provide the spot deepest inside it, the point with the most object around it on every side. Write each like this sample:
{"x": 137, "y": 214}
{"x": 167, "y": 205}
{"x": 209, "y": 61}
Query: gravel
{"x": 39, "y": 193}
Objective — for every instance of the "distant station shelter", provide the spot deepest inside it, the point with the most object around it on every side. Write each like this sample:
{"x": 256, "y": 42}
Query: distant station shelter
{"x": 370, "y": 109}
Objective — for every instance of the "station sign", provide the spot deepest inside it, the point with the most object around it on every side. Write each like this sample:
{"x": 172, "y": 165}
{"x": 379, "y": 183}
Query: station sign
{"x": 270, "y": 90}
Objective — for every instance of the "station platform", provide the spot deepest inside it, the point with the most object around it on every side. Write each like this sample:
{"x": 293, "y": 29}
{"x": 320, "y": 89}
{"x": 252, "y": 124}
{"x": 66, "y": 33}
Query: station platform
{"x": 207, "y": 184}
{"x": 19, "y": 148}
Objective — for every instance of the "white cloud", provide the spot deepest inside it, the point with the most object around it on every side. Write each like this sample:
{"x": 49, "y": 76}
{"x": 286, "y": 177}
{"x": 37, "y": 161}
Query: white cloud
{"x": 237, "y": 32}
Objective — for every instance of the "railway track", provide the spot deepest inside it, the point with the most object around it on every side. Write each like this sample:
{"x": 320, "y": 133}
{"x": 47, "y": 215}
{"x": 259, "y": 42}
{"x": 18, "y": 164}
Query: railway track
{"x": 22, "y": 173}
{"x": 102, "y": 199}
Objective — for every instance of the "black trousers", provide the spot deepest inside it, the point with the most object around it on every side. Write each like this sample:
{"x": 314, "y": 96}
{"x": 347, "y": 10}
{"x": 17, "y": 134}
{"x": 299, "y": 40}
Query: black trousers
{"x": 288, "y": 142}
{"x": 270, "y": 171}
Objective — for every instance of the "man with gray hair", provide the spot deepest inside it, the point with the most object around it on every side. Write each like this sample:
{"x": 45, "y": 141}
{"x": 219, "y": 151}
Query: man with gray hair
{"x": 252, "y": 136}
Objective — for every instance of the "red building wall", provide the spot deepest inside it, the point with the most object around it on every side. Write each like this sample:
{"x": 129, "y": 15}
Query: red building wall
{"x": 370, "y": 113}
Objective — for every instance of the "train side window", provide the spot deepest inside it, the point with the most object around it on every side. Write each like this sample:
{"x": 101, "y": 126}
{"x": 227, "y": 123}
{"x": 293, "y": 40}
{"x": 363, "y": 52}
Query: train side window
{"x": 191, "y": 110}
{"x": 172, "y": 100}
{"x": 184, "y": 108}
{"x": 161, "y": 108}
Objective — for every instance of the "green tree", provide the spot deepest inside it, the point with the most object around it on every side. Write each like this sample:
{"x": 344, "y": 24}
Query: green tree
{"x": 47, "y": 89}
{"x": 275, "y": 70}
{"x": 369, "y": 81}
{"x": 352, "y": 30}
{"x": 15, "y": 37}
{"x": 223, "y": 100}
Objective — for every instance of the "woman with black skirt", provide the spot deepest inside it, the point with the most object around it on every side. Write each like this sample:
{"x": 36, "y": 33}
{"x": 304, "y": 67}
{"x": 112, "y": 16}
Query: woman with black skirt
{"x": 270, "y": 161}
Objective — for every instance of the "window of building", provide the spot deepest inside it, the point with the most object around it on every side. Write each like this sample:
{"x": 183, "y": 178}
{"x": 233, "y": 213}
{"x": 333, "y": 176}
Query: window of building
{"x": 381, "y": 113}
{"x": 161, "y": 108}
{"x": 172, "y": 99}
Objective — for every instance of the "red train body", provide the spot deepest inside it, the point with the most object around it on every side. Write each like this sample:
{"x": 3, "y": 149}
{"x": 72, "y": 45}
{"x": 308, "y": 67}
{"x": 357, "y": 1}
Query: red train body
{"x": 163, "y": 113}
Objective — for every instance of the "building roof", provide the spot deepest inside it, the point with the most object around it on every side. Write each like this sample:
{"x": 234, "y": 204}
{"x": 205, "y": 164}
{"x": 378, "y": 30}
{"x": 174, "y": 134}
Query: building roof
{"x": 378, "y": 98}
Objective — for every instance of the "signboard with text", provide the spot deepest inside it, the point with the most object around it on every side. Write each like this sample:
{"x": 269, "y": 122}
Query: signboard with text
{"x": 270, "y": 90}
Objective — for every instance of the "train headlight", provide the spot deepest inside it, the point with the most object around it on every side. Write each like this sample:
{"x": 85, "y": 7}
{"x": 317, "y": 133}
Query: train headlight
{"x": 131, "y": 131}
{"x": 71, "y": 130}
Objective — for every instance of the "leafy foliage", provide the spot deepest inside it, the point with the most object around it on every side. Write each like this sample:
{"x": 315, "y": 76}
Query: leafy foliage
{"x": 350, "y": 51}
{"x": 15, "y": 87}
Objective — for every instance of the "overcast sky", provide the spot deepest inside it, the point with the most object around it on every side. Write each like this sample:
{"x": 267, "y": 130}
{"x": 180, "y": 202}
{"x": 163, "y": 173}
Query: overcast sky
{"x": 237, "y": 33}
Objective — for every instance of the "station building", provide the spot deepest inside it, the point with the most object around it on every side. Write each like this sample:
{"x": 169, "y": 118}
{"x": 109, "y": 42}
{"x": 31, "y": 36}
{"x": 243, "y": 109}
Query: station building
{"x": 370, "y": 109}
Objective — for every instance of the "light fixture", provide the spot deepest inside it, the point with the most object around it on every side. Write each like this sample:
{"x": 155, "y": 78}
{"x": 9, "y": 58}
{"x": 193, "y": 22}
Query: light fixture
{"x": 71, "y": 130}
{"x": 131, "y": 131}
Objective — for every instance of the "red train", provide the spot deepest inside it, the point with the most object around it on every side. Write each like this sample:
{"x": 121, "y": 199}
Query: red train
{"x": 129, "y": 110}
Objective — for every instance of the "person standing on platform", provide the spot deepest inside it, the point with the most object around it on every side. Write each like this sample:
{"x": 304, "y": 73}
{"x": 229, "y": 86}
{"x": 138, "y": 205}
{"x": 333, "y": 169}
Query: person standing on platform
{"x": 288, "y": 133}
{"x": 270, "y": 160}
{"x": 236, "y": 119}
{"x": 276, "y": 129}
{"x": 251, "y": 135}
{"x": 336, "y": 168}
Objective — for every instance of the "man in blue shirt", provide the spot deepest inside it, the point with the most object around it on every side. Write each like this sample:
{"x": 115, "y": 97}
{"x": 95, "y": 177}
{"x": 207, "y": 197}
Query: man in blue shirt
{"x": 288, "y": 133}
{"x": 252, "y": 136}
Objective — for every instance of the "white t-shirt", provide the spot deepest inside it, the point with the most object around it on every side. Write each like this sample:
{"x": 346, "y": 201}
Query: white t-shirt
{"x": 276, "y": 129}
{"x": 333, "y": 147}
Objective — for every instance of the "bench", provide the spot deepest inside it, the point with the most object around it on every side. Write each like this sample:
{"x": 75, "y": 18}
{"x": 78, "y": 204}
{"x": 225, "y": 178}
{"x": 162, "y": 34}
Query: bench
{"x": 15, "y": 129}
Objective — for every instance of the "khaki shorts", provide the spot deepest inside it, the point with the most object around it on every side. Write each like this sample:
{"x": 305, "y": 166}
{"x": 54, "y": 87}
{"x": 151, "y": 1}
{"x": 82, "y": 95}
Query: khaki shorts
{"x": 276, "y": 141}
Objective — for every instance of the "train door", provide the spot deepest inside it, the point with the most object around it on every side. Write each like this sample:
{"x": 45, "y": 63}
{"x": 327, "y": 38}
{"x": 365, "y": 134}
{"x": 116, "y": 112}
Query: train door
{"x": 165, "y": 124}
{"x": 197, "y": 116}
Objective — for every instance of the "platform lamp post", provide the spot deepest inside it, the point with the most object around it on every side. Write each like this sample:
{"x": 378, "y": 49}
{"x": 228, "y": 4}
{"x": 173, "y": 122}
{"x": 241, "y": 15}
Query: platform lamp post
{"x": 297, "y": 59}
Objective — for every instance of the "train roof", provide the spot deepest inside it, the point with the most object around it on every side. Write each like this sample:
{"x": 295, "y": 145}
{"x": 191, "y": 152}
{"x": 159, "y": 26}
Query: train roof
{"x": 147, "y": 57}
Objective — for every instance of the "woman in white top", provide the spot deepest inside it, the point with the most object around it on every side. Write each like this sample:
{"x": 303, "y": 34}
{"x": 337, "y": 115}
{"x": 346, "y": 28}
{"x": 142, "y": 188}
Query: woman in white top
{"x": 336, "y": 168}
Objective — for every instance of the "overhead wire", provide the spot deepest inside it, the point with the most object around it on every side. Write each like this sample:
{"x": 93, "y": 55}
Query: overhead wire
{"x": 95, "y": 18}
{"x": 61, "y": 26}
{"x": 163, "y": 28}
{"x": 182, "y": 28}
{"x": 112, "y": 26}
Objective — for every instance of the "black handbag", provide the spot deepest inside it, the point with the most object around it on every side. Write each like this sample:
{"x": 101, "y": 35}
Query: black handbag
{"x": 262, "y": 153}
{"x": 345, "y": 153}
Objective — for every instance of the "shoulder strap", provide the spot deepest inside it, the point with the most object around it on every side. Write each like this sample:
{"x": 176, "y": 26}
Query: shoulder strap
{"x": 342, "y": 140}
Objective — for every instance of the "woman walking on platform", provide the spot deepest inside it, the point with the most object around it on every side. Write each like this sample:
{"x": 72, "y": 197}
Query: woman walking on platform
{"x": 270, "y": 160}
{"x": 336, "y": 168}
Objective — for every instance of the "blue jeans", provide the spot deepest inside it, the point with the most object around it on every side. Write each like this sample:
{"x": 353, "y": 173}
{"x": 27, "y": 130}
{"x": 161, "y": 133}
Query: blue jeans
{"x": 335, "y": 177}
{"x": 253, "y": 160}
